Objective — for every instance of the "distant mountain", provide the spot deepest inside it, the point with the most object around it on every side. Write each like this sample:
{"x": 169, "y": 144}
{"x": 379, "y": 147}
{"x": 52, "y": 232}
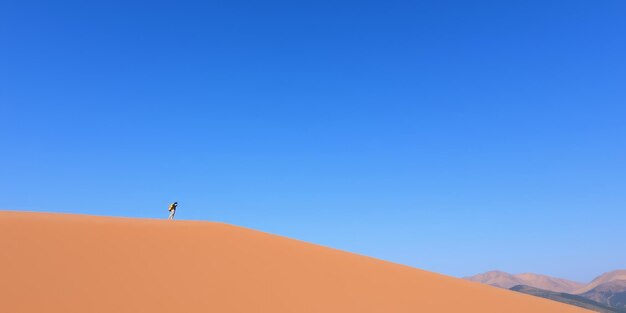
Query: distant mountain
{"x": 608, "y": 289}
{"x": 497, "y": 279}
{"x": 567, "y": 298}
{"x": 506, "y": 280}
{"x": 603, "y": 279}
{"x": 612, "y": 293}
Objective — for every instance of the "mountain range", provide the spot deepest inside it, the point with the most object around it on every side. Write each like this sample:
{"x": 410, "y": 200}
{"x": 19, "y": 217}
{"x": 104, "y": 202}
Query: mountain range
{"x": 506, "y": 280}
{"x": 567, "y": 298}
{"x": 607, "y": 290}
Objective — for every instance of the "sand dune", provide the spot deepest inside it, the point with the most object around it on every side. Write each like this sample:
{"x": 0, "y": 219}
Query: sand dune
{"x": 75, "y": 263}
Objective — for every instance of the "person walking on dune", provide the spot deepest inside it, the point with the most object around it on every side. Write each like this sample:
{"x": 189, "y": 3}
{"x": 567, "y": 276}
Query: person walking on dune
{"x": 172, "y": 210}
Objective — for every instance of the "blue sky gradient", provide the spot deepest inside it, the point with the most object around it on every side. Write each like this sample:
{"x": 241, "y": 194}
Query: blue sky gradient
{"x": 454, "y": 136}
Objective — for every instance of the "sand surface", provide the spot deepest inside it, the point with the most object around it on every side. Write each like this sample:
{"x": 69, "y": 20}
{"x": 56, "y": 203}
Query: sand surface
{"x": 75, "y": 263}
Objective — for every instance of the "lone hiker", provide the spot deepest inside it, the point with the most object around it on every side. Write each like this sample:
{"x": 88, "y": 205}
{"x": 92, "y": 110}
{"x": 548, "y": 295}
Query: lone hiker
{"x": 172, "y": 210}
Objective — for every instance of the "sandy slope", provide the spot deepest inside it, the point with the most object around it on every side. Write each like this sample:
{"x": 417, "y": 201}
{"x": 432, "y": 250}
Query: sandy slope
{"x": 74, "y": 263}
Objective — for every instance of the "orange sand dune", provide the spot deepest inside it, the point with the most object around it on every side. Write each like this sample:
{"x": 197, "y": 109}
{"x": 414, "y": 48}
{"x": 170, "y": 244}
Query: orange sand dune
{"x": 75, "y": 263}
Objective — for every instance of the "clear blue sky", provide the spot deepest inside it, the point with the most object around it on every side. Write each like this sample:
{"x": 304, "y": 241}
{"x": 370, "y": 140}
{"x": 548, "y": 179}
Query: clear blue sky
{"x": 454, "y": 136}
